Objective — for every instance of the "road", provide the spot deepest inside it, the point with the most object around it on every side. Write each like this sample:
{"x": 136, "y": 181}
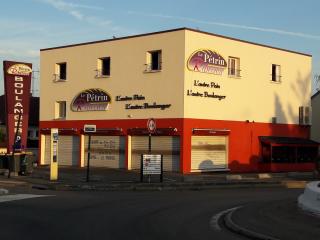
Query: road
{"x": 153, "y": 215}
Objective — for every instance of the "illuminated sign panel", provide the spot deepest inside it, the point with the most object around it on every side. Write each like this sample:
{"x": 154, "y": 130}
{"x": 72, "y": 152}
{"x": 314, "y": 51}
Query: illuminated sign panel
{"x": 17, "y": 81}
{"x": 93, "y": 99}
{"x": 206, "y": 61}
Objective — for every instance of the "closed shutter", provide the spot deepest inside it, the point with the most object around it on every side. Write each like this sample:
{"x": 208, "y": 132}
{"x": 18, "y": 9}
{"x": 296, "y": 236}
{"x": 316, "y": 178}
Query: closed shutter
{"x": 168, "y": 146}
{"x": 209, "y": 153}
{"x": 68, "y": 150}
{"x": 47, "y": 150}
{"x": 106, "y": 151}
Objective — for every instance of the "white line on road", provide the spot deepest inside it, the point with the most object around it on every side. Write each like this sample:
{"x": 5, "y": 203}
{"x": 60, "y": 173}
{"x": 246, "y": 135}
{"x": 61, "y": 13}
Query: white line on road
{"x": 9, "y": 198}
{"x": 214, "y": 221}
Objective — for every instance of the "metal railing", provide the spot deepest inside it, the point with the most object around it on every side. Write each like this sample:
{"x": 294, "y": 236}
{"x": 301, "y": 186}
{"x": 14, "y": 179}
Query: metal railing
{"x": 58, "y": 77}
{"x": 100, "y": 73}
{"x": 275, "y": 78}
{"x": 234, "y": 72}
{"x": 153, "y": 67}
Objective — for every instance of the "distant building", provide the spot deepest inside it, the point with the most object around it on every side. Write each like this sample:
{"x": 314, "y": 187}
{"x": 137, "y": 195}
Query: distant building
{"x": 315, "y": 128}
{"x": 33, "y": 130}
{"x": 219, "y": 103}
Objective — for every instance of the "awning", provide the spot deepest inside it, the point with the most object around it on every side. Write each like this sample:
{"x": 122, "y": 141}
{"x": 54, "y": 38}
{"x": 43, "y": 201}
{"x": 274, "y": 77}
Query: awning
{"x": 288, "y": 141}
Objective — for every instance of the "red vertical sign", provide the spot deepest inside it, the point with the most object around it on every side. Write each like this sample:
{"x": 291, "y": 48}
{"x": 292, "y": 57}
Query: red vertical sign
{"x": 17, "y": 81}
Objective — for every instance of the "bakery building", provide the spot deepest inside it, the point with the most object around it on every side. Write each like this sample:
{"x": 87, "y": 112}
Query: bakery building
{"x": 220, "y": 104}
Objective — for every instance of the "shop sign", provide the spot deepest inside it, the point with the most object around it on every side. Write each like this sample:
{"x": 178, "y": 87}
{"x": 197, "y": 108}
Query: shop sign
{"x": 19, "y": 69}
{"x": 93, "y": 99}
{"x": 205, "y": 94}
{"x": 206, "y": 61}
{"x": 89, "y": 128}
{"x": 147, "y": 106}
{"x": 103, "y": 150}
{"x": 151, "y": 125}
{"x": 17, "y": 81}
{"x": 130, "y": 98}
{"x": 151, "y": 164}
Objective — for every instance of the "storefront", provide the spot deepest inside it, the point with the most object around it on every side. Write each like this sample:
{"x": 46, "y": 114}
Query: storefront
{"x": 213, "y": 98}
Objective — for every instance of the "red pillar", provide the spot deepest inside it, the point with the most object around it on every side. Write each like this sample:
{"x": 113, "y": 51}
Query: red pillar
{"x": 185, "y": 146}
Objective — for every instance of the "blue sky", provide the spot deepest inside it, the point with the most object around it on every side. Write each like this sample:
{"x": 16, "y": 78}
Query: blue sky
{"x": 29, "y": 25}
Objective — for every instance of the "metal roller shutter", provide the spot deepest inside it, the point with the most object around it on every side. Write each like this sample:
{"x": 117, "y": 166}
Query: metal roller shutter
{"x": 106, "y": 151}
{"x": 168, "y": 146}
{"x": 209, "y": 153}
{"x": 47, "y": 151}
{"x": 68, "y": 150}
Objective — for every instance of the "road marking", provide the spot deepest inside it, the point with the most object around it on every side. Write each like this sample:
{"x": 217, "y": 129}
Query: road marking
{"x": 214, "y": 221}
{"x": 15, "y": 197}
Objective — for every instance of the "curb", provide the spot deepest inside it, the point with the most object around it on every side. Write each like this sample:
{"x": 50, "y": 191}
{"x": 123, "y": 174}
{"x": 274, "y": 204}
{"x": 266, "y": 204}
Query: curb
{"x": 167, "y": 186}
{"x": 3, "y": 191}
{"x": 155, "y": 187}
{"x": 232, "y": 226}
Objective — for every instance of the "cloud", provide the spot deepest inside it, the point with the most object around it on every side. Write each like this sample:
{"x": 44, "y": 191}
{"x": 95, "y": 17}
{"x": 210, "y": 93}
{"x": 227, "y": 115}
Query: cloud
{"x": 74, "y": 10}
{"x": 270, "y": 30}
{"x": 66, "y": 6}
{"x": 28, "y": 53}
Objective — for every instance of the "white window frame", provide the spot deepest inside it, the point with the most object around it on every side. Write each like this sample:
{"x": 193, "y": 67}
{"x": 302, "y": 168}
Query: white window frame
{"x": 276, "y": 77}
{"x": 234, "y": 67}
{"x": 99, "y": 70}
{"x": 60, "y": 112}
{"x": 57, "y": 74}
{"x": 149, "y": 63}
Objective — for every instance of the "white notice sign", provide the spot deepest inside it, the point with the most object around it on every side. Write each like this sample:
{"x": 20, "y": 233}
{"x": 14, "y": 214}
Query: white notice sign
{"x": 151, "y": 164}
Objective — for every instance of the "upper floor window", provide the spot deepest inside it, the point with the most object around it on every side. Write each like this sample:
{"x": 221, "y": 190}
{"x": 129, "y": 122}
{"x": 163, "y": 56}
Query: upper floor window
{"x": 276, "y": 74}
{"x": 154, "y": 59}
{"x": 103, "y": 68}
{"x": 234, "y": 67}
{"x": 61, "y": 71}
{"x": 60, "y": 109}
{"x": 304, "y": 115}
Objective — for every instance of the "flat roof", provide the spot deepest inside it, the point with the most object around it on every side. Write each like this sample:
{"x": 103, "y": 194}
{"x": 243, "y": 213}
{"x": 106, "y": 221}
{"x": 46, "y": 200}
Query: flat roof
{"x": 174, "y": 30}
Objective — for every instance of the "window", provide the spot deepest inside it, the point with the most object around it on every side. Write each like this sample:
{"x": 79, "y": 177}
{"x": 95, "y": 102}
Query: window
{"x": 61, "y": 72}
{"x": 276, "y": 77}
{"x": 153, "y": 61}
{"x": 60, "y": 110}
{"x": 304, "y": 115}
{"x": 103, "y": 68}
{"x": 234, "y": 67}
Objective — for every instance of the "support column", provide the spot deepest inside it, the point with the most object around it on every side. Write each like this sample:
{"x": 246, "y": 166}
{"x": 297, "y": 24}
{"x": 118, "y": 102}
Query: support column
{"x": 128, "y": 152}
{"x": 42, "y": 147}
{"x": 185, "y": 151}
{"x": 81, "y": 151}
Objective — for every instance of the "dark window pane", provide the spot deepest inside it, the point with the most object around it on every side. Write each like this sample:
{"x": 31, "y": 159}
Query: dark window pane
{"x": 106, "y": 66}
{"x": 63, "y": 71}
{"x": 155, "y": 64}
{"x": 274, "y": 76}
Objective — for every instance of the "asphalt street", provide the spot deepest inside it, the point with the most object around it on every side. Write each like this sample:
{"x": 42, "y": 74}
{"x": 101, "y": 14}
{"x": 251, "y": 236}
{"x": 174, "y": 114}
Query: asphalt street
{"x": 154, "y": 215}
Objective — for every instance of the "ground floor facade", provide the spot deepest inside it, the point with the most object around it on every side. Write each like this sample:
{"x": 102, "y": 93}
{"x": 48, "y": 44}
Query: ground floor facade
{"x": 187, "y": 145}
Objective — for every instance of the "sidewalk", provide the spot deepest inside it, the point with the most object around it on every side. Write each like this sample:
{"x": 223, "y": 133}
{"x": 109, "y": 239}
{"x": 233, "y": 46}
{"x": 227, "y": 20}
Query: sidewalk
{"x": 102, "y": 179}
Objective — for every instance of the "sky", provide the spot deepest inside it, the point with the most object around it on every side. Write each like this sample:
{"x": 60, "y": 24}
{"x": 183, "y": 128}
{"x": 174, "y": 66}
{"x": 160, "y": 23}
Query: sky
{"x": 26, "y": 26}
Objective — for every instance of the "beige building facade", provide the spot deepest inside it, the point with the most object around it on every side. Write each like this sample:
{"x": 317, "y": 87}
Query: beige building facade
{"x": 220, "y": 103}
